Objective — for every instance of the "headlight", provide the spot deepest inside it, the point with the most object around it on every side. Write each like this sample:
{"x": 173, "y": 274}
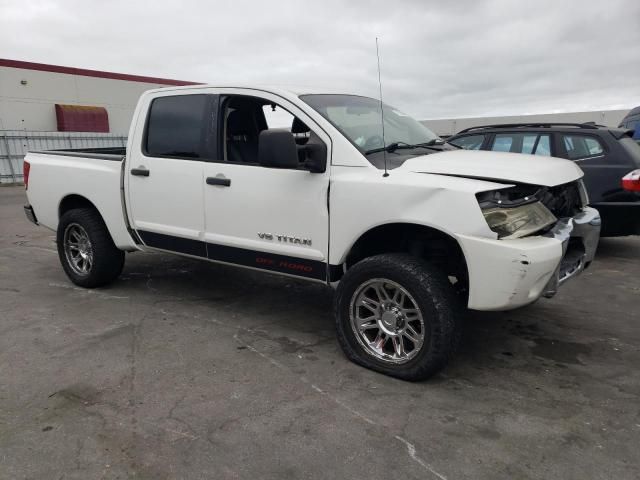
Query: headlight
{"x": 516, "y": 222}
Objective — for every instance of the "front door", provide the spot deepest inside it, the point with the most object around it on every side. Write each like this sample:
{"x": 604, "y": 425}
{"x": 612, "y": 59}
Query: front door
{"x": 272, "y": 219}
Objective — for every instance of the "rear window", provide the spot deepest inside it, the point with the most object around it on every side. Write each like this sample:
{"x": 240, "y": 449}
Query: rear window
{"x": 176, "y": 126}
{"x": 470, "y": 142}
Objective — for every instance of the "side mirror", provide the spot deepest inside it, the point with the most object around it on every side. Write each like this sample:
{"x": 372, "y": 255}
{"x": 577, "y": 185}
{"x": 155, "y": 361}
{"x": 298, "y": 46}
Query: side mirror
{"x": 316, "y": 154}
{"x": 277, "y": 149}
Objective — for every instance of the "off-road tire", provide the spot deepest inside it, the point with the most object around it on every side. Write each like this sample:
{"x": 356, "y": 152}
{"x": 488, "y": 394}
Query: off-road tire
{"x": 434, "y": 296}
{"x": 108, "y": 260}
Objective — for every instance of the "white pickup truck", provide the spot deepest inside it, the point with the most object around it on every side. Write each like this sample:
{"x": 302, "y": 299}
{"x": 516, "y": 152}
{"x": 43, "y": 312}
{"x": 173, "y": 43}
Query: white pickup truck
{"x": 405, "y": 227}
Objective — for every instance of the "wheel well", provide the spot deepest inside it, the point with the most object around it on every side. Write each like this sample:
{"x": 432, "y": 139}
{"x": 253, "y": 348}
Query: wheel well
{"x": 74, "y": 201}
{"x": 434, "y": 246}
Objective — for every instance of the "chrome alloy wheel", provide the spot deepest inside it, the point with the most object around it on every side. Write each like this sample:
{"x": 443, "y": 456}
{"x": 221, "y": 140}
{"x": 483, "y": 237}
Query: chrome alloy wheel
{"x": 78, "y": 249}
{"x": 387, "y": 321}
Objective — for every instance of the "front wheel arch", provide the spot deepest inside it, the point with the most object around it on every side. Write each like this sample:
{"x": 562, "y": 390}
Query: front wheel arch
{"x": 429, "y": 244}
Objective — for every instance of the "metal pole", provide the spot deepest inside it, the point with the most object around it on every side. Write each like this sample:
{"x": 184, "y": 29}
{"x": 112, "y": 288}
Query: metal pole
{"x": 6, "y": 146}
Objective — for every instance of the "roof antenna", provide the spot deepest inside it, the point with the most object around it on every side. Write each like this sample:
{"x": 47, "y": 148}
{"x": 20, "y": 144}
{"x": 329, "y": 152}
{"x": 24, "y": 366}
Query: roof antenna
{"x": 384, "y": 144}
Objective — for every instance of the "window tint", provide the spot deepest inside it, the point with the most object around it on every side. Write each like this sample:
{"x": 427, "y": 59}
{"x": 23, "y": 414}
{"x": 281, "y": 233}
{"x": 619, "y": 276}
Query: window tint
{"x": 176, "y": 126}
{"x": 581, "y": 146}
{"x": 470, "y": 142}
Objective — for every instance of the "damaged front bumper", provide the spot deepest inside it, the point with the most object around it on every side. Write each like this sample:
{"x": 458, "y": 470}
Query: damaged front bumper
{"x": 507, "y": 274}
{"x": 579, "y": 236}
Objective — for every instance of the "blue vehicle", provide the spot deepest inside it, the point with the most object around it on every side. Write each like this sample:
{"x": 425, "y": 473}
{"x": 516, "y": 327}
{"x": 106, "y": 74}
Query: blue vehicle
{"x": 632, "y": 122}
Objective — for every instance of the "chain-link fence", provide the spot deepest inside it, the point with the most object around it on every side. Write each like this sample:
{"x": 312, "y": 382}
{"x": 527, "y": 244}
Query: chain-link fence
{"x": 14, "y": 144}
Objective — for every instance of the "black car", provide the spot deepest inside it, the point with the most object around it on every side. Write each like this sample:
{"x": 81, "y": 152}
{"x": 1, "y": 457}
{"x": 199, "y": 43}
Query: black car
{"x": 606, "y": 155}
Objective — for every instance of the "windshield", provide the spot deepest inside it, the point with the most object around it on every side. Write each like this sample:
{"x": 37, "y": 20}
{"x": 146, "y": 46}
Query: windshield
{"x": 358, "y": 119}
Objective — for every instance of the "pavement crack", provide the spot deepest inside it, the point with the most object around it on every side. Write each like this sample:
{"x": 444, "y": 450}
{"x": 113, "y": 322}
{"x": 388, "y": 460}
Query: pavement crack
{"x": 411, "y": 450}
{"x": 410, "y": 447}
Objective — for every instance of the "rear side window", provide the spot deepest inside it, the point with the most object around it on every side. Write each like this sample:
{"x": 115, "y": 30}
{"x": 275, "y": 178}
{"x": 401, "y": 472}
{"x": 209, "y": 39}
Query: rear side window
{"x": 176, "y": 127}
{"x": 531, "y": 143}
{"x": 581, "y": 146}
{"x": 470, "y": 142}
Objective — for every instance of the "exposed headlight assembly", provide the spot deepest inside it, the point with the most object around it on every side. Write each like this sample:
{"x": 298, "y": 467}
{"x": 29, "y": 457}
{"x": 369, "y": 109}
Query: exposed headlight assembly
{"x": 518, "y": 221}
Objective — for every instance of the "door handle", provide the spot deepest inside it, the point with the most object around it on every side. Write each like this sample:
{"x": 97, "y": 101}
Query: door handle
{"x": 221, "y": 181}
{"x": 140, "y": 171}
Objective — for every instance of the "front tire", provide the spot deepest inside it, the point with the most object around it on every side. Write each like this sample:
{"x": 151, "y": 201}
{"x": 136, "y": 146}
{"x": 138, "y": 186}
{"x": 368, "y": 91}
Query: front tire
{"x": 85, "y": 248}
{"x": 397, "y": 315}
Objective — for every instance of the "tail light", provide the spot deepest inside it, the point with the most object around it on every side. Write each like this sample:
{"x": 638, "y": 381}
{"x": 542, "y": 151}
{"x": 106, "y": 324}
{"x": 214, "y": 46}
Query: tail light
{"x": 26, "y": 168}
{"x": 631, "y": 181}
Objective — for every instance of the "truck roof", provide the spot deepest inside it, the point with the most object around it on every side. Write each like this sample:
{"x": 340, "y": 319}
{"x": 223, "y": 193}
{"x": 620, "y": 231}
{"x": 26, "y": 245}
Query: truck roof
{"x": 279, "y": 89}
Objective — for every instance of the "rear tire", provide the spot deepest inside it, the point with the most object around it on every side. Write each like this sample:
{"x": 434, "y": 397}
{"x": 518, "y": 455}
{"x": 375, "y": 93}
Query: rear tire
{"x": 85, "y": 248}
{"x": 397, "y": 315}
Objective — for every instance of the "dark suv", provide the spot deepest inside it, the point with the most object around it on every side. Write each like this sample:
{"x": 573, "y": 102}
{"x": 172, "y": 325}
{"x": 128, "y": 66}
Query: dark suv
{"x": 606, "y": 155}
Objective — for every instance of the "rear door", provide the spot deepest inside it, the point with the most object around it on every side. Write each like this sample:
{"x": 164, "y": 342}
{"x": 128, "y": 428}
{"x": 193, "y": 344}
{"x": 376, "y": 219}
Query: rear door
{"x": 165, "y": 173}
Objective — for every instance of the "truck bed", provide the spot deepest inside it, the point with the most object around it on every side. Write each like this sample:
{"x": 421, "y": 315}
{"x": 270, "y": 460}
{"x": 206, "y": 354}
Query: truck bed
{"x": 94, "y": 174}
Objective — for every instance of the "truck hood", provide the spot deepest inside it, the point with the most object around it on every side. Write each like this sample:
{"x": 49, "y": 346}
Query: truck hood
{"x": 501, "y": 166}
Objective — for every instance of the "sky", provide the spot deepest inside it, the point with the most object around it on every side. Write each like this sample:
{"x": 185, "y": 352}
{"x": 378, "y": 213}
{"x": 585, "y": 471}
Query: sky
{"x": 439, "y": 59}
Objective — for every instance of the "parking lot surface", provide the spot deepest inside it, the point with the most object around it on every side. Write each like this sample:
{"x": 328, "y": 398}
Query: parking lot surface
{"x": 183, "y": 369}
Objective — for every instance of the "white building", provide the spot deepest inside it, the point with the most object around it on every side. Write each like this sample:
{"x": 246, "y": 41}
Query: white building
{"x": 29, "y": 93}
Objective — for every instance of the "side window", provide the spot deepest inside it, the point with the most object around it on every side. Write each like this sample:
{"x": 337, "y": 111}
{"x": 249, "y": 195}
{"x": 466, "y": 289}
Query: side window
{"x": 544, "y": 146}
{"x": 176, "y": 127}
{"x": 503, "y": 142}
{"x": 470, "y": 142}
{"x": 277, "y": 117}
{"x": 528, "y": 143}
{"x": 246, "y": 117}
{"x": 594, "y": 146}
{"x": 582, "y": 146}
{"x": 531, "y": 143}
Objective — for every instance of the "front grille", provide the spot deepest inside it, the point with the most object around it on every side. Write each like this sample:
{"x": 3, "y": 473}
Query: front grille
{"x": 563, "y": 200}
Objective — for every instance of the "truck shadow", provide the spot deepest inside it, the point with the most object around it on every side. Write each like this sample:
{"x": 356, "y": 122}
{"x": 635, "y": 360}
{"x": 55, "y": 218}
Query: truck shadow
{"x": 532, "y": 339}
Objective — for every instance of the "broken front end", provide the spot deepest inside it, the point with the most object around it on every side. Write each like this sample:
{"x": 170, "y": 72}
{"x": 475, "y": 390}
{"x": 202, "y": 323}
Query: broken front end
{"x": 545, "y": 236}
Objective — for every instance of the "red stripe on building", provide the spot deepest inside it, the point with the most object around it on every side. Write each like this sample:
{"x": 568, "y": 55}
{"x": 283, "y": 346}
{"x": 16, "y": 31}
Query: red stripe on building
{"x": 43, "y": 67}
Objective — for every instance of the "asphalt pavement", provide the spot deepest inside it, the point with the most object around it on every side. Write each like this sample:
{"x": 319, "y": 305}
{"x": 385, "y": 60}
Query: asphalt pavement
{"x": 189, "y": 370}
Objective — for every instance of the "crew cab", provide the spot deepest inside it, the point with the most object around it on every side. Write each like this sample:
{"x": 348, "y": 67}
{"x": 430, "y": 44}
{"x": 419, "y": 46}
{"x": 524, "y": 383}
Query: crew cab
{"x": 407, "y": 229}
